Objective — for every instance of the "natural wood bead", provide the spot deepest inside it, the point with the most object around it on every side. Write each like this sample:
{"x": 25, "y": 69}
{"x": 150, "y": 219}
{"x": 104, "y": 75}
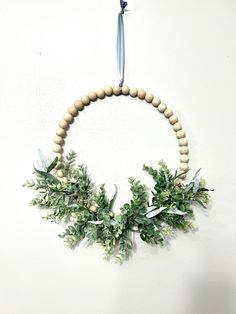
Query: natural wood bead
{"x": 182, "y": 176}
{"x": 180, "y": 134}
{"x": 141, "y": 93}
{"x": 184, "y": 150}
{"x": 173, "y": 119}
{"x": 184, "y": 166}
{"x": 125, "y": 90}
{"x": 57, "y": 148}
{"x": 92, "y": 96}
{"x": 93, "y": 208}
{"x": 73, "y": 111}
{"x": 108, "y": 90}
{"x": 184, "y": 158}
{"x": 183, "y": 141}
{"x": 116, "y": 90}
{"x": 63, "y": 124}
{"x": 168, "y": 113}
{"x": 100, "y": 93}
{"x": 60, "y": 132}
{"x": 60, "y": 173}
{"x": 79, "y": 105}
{"x": 156, "y": 102}
{"x": 58, "y": 140}
{"x": 85, "y": 100}
{"x": 58, "y": 165}
{"x": 133, "y": 92}
{"x": 149, "y": 97}
{"x": 64, "y": 180}
{"x": 177, "y": 126}
{"x": 68, "y": 117}
{"x": 162, "y": 107}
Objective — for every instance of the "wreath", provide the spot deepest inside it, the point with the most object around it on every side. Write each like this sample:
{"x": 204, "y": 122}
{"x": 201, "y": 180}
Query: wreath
{"x": 67, "y": 193}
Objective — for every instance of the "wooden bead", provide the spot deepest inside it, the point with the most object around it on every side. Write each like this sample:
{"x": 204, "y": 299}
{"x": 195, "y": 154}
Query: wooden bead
{"x": 64, "y": 180}
{"x": 168, "y": 113}
{"x": 63, "y": 124}
{"x": 108, "y": 90}
{"x": 93, "y": 208}
{"x": 57, "y": 148}
{"x": 183, "y": 141}
{"x": 100, "y": 93}
{"x": 79, "y": 105}
{"x": 156, "y": 102}
{"x": 173, "y": 119}
{"x": 58, "y": 165}
{"x": 184, "y": 166}
{"x": 116, "y": 90}
{"x": 85, "y": 100}
{"x": 162, "y": 107}
{"x": 141, "y": 93}
{"x": 73, "y": 111}
{"x": 182, "y": 176}
{"x": 60, "y": 132}
{"x": 60, "y": 173}
{"x": 68, "y": 117}
{"x": 177, "y": 126}
{"x": 92, "y": 96}
{"x": 184, "y": 150}
{"x": 180, "y": 134}
{"x": 133, "y": 92}
{"x": 125, "y": 90}
{"x": 58, "y": 140}
{"x": 184, "y": 158}
{"x": 149, "y": 97}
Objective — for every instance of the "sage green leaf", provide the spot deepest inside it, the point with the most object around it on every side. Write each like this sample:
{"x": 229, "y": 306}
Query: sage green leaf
{"x": 149, "y": 209}
{"x": 155, "y": 212}
{"x": 175, "y": 211}
{"x": 47, "y": 176}
{"x": 113, "y": 198}
{"x": 52, "y": 165}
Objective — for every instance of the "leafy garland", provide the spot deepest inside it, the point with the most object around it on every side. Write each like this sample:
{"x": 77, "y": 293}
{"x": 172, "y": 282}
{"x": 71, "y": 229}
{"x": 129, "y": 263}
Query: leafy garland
{"x": 89, "y": 213}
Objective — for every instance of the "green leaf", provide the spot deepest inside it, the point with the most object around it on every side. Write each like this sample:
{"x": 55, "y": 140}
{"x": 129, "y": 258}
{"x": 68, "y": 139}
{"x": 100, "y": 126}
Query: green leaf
{"x": 47, "y": 176}
{"x": 52, "y": 165}
{"x": 155, "y": 212}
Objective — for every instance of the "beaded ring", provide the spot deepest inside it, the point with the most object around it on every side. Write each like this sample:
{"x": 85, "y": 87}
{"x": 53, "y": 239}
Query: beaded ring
{"x": 100, "y": 93}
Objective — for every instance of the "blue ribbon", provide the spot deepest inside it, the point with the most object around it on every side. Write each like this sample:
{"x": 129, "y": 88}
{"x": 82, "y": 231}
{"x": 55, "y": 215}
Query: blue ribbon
{"x": 120, "y": 48}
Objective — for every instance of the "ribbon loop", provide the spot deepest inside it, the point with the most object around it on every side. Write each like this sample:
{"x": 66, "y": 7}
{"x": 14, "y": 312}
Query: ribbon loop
{"x": 120, "y": 48}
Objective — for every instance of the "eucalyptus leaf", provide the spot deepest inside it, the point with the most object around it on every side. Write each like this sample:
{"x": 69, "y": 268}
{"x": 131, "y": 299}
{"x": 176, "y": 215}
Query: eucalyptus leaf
{"x": 52, "y": 165}
{"x": 149, "y": 209}
{"x": 155, "y": 212}
{"x": 175, "y": 211}
{"x": 47, "y": 176}
{"x": 42, "y": 161}
{"x": 113, "y": 198}
{"x": 96, "y": 222}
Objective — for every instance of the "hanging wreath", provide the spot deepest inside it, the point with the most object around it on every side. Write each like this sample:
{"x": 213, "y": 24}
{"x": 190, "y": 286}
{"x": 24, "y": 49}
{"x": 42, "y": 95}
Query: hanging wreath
{"x": 67, "y": 193}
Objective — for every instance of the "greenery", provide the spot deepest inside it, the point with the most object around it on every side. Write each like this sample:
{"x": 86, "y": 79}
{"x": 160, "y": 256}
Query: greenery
{"x": 88, "y": 211}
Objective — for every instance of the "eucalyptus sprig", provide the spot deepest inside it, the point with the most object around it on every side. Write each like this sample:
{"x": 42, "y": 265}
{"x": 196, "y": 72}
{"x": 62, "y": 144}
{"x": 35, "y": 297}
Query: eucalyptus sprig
{"x": 88, "y": 211}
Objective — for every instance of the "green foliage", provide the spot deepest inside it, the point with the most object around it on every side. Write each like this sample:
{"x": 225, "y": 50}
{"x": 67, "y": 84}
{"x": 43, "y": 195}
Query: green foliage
{"x": 88, "y": 211}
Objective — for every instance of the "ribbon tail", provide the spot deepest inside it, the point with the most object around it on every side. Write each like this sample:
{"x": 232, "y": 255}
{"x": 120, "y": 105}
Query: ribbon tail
{"x": 120, "y": 49}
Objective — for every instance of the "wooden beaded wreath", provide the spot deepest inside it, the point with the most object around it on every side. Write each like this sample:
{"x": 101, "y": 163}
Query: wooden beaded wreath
{"x": 68, "y": 194}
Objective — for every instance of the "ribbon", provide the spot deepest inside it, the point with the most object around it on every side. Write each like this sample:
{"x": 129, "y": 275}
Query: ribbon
{"x": 120, "y": 48}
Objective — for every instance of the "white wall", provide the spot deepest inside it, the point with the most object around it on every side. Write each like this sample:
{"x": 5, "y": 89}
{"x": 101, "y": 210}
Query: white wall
{"x": 52, "y": 52}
